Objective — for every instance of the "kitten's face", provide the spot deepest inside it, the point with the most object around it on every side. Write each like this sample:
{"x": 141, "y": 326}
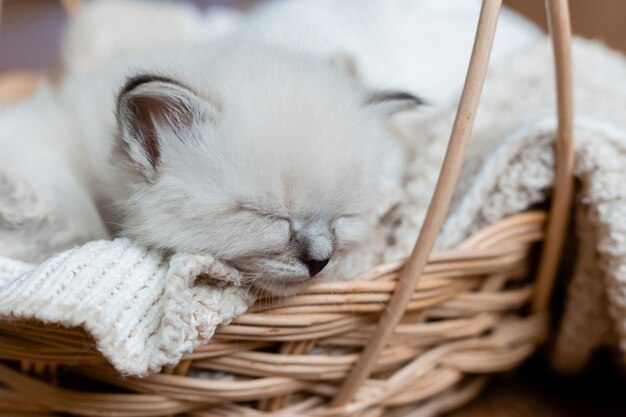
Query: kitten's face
{"x": 278, "y": 183}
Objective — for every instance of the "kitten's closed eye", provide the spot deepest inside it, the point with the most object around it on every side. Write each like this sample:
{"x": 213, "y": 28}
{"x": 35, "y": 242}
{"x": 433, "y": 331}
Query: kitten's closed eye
{"x": 350, "y": 229}
{"x": 262, "y": 213}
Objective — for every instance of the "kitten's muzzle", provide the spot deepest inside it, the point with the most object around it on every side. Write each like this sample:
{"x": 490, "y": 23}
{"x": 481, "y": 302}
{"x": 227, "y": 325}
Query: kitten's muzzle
{"x": 315, "y": 265}
{"x": 314, "y": 242}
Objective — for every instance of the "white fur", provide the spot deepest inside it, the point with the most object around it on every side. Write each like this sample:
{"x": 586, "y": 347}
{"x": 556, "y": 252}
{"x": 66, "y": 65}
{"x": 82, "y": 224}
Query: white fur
{"x": 289, "y": 158}
{"x": 55, "y": 170}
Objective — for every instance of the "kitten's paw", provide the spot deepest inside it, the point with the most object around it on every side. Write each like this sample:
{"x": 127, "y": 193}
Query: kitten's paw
{"x": 22, "y": 205}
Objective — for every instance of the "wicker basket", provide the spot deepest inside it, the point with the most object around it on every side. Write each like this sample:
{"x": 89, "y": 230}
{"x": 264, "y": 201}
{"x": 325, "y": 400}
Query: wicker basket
{"x": 394, "y": 344}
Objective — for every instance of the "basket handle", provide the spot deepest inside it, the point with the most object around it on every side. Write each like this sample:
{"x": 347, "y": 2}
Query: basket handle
{"x": 558, "y": 217}
{"x": 439, "y": 205}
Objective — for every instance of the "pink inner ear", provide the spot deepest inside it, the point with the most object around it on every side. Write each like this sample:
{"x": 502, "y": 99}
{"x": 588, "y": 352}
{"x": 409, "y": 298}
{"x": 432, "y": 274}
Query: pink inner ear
{"x": 148, "y": 111}
{"x": 145, "y": 112}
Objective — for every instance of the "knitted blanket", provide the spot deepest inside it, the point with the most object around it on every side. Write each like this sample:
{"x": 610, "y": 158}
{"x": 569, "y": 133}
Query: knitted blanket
{"x": 509, "y": 167}
{"x": 145, "y": 311}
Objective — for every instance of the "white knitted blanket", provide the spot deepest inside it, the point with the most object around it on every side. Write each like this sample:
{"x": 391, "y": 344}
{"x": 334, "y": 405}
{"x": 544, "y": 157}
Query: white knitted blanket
{"x": 509, "y": 167}
{"x": 142, "y": 310}
{"x": 145, "y": 312}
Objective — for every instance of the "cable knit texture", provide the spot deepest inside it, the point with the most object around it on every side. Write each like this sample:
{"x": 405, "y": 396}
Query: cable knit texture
{"x": 145, "y": 311}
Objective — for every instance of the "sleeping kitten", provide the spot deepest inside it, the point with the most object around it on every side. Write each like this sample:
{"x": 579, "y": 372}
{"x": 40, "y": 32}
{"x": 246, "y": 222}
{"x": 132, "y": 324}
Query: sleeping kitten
{"x": 269, "y": 160}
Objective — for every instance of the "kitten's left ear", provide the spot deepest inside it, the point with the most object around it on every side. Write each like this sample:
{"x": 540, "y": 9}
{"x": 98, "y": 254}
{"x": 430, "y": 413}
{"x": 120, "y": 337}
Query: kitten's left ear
{"x": 152, "y": 109}
{"x": 391, "y": 102}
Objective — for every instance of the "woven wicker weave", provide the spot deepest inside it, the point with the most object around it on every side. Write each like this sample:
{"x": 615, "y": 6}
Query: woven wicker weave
{"x": 393, "y": 344}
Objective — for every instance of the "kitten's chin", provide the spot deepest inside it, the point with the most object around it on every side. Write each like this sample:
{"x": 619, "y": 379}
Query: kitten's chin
{"x": 282, "y": 287}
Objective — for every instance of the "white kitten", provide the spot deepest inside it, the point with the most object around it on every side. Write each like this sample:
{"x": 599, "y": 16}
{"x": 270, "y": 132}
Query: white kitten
{"x": 268, "y": 160}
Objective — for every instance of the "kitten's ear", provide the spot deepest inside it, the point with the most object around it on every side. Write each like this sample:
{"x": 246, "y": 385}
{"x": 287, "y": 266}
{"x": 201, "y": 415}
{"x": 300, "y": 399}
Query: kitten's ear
{"x": 391, "y": 102}
{"x": 388, "y": 101}
{"x": 150, "y": 109}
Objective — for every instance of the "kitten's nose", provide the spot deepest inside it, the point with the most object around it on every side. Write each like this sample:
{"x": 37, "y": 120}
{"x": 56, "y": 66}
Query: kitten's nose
{"x": 315, "y": 265}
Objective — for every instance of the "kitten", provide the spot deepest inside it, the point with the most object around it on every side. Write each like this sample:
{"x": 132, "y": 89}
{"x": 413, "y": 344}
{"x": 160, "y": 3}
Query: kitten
{"x": 269, "y": 160}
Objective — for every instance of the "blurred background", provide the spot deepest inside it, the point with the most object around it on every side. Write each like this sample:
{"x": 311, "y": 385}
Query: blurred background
{"x": 30, "y": 30}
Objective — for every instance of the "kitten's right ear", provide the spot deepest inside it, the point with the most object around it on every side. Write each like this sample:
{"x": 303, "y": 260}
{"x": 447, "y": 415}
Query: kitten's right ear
{"x": 151, "y": 109}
